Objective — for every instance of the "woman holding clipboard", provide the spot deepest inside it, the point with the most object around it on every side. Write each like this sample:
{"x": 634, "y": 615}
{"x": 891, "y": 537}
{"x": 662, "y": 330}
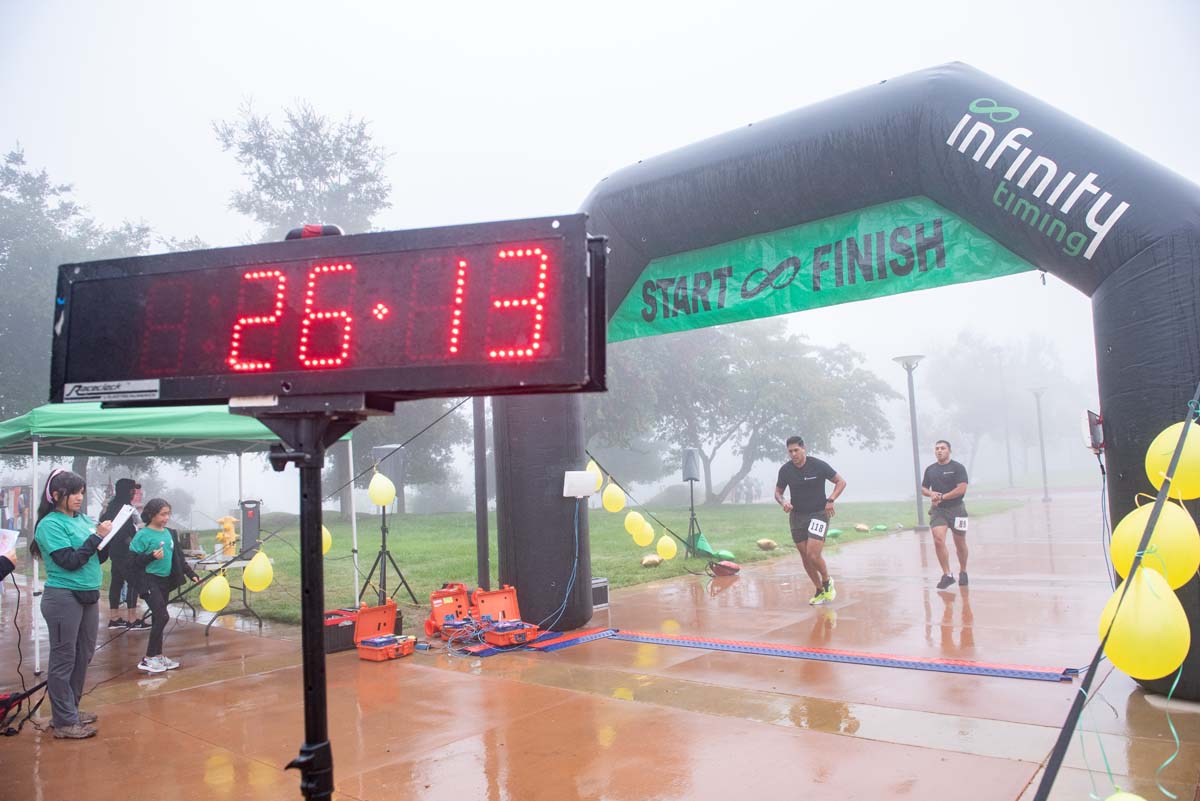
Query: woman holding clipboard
{"x": 155, "y": 550}
{"x": 67, "y": 542}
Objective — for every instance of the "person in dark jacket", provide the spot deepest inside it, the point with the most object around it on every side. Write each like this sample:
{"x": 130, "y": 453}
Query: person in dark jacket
{"x": 118, "y": 555}
{"x": 156, "y": 555}
{"x": 67, "y": 542}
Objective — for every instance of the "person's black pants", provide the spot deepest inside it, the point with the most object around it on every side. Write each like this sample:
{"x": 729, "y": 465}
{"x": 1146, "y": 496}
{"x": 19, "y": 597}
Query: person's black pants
{"x": 120, "y": 577}
{"x": 156, "y": 590}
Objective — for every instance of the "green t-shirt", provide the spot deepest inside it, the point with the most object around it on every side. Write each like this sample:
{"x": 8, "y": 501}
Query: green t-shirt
{"x": 58, "y": 531}
{"x": 147, "y": 540}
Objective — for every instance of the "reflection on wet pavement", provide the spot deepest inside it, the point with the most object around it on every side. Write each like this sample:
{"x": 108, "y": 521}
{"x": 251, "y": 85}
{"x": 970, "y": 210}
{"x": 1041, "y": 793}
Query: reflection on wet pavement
{"x": 622, "y": 720}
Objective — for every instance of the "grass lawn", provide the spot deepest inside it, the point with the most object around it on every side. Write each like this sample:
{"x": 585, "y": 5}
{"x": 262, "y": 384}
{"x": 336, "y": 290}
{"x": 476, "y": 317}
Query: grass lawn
{"x": 433, "y": 549}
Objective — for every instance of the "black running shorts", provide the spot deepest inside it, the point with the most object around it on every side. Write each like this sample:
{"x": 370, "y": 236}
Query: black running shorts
{"x": 950, "y": 515}
{"x": 808, "y": 524}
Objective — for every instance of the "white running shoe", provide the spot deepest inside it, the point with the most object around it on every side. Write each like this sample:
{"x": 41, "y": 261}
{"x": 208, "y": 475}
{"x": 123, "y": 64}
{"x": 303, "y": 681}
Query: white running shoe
{"x": 167, "y": 662}
{"x": 151, "y": 664}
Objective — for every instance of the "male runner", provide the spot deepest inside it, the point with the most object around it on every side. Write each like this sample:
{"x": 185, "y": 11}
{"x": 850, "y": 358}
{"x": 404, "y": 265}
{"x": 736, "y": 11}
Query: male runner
{"x": 809, "y": 510}
{"x": 945, "y": 484}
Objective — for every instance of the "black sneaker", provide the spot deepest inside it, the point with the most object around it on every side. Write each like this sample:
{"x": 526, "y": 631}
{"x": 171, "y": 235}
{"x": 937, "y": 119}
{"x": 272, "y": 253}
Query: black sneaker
{"x": 141, "y": 625}
{"x": 117, "y": 624}
{"x": 962, "y": 579}
{"x": 945, "y": 582}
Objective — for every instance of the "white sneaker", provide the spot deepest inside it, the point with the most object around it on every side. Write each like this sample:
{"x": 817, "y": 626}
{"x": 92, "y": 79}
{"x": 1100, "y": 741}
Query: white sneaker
{"x": 150, "y": 664}
{"x": 167, "y": 662}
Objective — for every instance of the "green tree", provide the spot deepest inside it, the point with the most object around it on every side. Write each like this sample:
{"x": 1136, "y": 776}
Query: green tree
{"x": 41, "y": 227}
{"x": 310, "y": 169}
{"x": 744, "y": 388}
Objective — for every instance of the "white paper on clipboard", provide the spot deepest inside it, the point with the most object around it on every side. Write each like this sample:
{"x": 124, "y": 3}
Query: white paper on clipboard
{"x": 8, "y": 540}
{"x": 120, "y": 520}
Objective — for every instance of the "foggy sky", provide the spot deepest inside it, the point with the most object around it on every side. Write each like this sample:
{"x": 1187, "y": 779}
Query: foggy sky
{"x": 496, "y": 111}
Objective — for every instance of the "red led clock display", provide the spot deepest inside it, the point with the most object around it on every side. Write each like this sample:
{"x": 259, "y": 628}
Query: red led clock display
{"x": 491, "y": 311}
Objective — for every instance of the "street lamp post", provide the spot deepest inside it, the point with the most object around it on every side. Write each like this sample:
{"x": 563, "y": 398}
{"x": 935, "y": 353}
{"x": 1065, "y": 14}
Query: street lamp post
{"x": 1037, "y": 397}
{"x": 909, "y": 363}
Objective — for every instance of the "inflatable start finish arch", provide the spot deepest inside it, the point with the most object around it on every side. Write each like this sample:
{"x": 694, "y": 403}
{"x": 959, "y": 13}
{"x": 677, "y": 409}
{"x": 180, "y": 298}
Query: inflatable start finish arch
{"x": 938, "y": 177}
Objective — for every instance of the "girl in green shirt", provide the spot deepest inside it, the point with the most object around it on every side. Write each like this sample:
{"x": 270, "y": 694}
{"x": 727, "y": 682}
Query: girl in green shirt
{"x": 67, "y": 542}
{"x": 155, "y": 556}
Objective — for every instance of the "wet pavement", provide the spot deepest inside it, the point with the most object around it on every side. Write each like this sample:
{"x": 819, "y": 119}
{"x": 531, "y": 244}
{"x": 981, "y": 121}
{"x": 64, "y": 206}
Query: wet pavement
{"x": 622, "y": 720}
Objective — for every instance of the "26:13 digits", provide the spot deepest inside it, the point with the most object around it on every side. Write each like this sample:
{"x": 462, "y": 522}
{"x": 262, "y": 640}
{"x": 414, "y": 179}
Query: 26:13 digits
{"x": 326, "y": 335}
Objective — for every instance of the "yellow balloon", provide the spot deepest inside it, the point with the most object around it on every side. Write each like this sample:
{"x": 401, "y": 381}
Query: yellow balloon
{"x": 613, "y": 499}
{"x": 1124, "y": 796}
{"x": 594, "y": 468}
{"x": 633, "y": 522}
{"x": 1186, "y": 483}
{"x": 381, "y": 490}
{"x": 1150, "y": 636}
{"x": 644, "y": 535}
{"x": 215, "y": 595}
{"x": 326, "y": 540}
{"x": 1175, "y": 540}
{"x": 258, "y": 574}
{"x": 666, "y": 547}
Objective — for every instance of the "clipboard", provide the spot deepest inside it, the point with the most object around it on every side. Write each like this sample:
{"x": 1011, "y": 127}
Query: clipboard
{"x": 118, "y": 522}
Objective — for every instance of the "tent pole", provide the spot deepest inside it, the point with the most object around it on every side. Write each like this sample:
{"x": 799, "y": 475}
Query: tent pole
{"x": 241, "y": 494}
{"x": 353, "y": 523}
{"x": 35, "y": 612}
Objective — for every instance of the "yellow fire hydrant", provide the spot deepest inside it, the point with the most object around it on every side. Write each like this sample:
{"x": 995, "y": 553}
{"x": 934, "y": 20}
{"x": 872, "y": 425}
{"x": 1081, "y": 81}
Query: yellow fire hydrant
{"x": 227, "y": 536}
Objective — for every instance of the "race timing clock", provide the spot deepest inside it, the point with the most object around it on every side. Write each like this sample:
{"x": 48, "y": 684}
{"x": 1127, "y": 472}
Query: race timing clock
{"x": 486, "y": 309}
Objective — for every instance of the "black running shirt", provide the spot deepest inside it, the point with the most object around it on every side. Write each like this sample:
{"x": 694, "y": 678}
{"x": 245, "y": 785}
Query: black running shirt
{"x": 806, "y": 485}
{"x": 944, "y": 477}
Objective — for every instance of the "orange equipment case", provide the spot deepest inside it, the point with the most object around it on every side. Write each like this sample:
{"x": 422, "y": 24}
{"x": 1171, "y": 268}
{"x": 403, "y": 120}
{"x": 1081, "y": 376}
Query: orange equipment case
{"x": 375, "y": 634}
{"x": 499, "y": 605}
{"x": 452, "y": 601}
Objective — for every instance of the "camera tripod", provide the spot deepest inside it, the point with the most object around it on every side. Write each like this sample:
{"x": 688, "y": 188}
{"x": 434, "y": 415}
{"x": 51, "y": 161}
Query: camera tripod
{"x": 382, "y": 559}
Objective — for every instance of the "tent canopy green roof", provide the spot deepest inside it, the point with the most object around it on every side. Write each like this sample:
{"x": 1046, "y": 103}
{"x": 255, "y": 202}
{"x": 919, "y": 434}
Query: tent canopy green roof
{"x": 84, "y": 429}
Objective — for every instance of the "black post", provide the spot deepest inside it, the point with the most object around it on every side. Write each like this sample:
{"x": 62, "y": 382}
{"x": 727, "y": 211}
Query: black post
{"x": 316, "y": 755}
{"x": 483, "y": 571}
{"x": 308, "y": 426}
{"x": 383, "y": 552}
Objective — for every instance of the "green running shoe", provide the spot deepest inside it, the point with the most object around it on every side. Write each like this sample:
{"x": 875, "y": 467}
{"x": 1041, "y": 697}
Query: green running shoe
{"x": 830, "y": 590}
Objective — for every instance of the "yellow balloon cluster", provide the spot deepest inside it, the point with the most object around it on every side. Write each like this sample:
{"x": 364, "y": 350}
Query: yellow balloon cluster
{"x": 215, "y": 595}
{"x": 258, "y": 574}
{"x": 613, "y": 499}
{"x": 326, "y": 540}
{"x": 1186, "y": 482}
{"x": 1174, "y": 548}
{"x": 381, "y": 490}
{"x": 1150, "y": 635}
{"x": 1121, "y": 795}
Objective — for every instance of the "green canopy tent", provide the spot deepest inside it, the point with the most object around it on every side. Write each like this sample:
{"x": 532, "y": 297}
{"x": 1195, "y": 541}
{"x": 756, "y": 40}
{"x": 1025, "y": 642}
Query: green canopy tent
{"x": 85, "y": 429}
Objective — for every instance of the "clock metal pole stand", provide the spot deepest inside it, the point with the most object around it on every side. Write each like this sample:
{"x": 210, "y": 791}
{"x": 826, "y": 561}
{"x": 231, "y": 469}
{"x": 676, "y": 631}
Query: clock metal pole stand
{"x": 307, "y": 426}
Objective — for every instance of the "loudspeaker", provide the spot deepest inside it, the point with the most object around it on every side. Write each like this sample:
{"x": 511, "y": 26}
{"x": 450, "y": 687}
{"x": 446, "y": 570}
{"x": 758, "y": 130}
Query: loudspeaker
{"x": 691, "y": 464}
{"x": 393, "y": 467}
{"x": 251, "y": 527}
